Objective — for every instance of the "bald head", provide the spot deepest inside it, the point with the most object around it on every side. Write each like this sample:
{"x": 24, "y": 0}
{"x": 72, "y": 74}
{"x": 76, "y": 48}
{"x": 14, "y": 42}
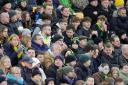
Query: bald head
{"x": 125, "y": 50}
{"x": 4, "y": 18}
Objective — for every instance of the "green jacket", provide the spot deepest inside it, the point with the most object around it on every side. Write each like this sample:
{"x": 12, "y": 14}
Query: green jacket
{"x": 124, "y": 76}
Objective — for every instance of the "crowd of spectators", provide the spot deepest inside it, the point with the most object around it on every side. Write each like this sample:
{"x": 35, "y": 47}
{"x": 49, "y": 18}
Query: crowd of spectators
{"x": 63, "y": 42}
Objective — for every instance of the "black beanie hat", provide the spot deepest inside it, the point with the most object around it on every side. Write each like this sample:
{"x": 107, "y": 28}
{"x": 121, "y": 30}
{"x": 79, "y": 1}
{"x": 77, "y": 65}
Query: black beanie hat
{"x": 97, "y": 40}
{"x": 56, "y": 37}
{"x": 36, "y": 72}
{"x": 60, "y": 57}
{"x": 70, "y": 58}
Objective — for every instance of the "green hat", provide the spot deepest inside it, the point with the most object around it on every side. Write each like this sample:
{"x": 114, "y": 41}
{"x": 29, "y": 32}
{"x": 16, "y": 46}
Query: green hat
{"x": 84, "y": 58}
{"x": 66, "y": 69}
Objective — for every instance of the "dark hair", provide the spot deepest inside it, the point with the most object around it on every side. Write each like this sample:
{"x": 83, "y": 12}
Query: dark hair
{"x": 45, "y": 25}
{"x": 70, "y": 27}
{"x": 90, "y": 48}
{"x": 86, "y": 19}
{"x": 46, "y": 17}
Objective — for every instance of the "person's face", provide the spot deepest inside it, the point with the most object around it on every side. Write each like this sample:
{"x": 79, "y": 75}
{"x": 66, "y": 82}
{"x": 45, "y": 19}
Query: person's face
{"x": 27, "y": 17}
{"x": 83, "y": 42}
{"x": 29, "y": 43}
{"x": 94, "y": 3}
{"x": 5, "y": 18}
{"x": 88, "y": 63}
{"x": 15, "y": 41}
{"x": 76, "y": 24}
{"x": 69, "y": 33}
{"x": 17, "y": 74}
{"x": 39, "y": 40}
{"x": 51, "y": 83}
{"x": 48, "y": 30}
{"x": 106, "y": 69}
{"x": 37, "y": 78}
{"x": 125, "y": 51}
{"x": 47, "y": 63}
{"x": 18, "y": 13}
{"x": 87, "y": 24}
{"x": 73, "y": 63}
{"x": 122, "y": 13}
{"x": 5, "y": 32}
{"x": 41, "y": 58}
{"x": 7, "y": 63}
{"x": 65, "y": 12}
{"x": 125, "y": 69}
{"x": 58, "y": 62}
{"x": 71, "y": 74}
{"x": 7, "y": 7}
{"x": 14, "y": 18}
{"x": 28, "y": 65}
{"x": 105, "y": 3}
{"x": 108, "y": 51}
{"x": 63, "y": 26}
{"x": 115, "y": 74}
{"x": 49, "y": 10}
{"x": 31, "y": 53}
{"x": 90, "y": 81}
{"x": 116, "y": 42}
{"x": 100, "y": 45}
{"x": 95, "y": 53}
{"x": 23, "y": 3}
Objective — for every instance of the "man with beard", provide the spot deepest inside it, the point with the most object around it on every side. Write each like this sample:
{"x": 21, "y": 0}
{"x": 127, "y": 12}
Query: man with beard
{"x": 120, "y": 22}
{"x": 46, "y": 34}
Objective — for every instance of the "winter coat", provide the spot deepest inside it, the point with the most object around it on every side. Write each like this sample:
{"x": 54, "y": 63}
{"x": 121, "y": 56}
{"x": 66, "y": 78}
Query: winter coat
{"x": 11, "y": 78}
{"x": 26, "y": 73}
{"x": 51, "y": 71}
{"x": 119, "y": 23}
{"x": 13, "y": 28}
{"x": 101, "y": 34}
{"x": 111, "y": 60}
{"x": 108, "y": 14}
{"x": 124, "y": 76}
{"x": 84, "y": 32}
{"x": 82, "y": 71}
{"x": 9, "y": 51}
{"x": 89, "y": 11}
{"x": 39, "y": 48}
{"x": 99, "y": 77}
{"x": 122, "y": 60}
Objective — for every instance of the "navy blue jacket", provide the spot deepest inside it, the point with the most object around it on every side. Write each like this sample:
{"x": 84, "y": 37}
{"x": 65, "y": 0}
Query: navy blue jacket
{"x": 39, "y": 48}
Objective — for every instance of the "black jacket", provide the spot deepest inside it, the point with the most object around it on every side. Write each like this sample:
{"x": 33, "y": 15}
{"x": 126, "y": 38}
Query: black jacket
{"x": 8, "y": 49}
{"x": 82, "y": 72}
{"x": 119, "y": 23}
{"x": 89, "y": 11}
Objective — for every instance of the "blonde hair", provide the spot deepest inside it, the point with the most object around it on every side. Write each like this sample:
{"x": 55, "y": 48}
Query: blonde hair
{"x": 15, "y": 69}
{"x": 12, "y": 36}
{"x": 3, "y": 59}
